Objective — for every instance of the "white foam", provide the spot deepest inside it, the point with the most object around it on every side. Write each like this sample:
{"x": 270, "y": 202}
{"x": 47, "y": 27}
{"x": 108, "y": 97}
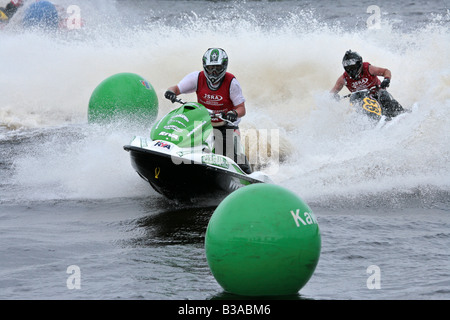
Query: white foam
{"x": 285, "y": 73}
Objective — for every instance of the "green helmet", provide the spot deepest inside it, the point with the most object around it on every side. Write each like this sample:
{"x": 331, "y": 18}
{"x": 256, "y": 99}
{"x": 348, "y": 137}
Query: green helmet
{"x": 215, "y": 63}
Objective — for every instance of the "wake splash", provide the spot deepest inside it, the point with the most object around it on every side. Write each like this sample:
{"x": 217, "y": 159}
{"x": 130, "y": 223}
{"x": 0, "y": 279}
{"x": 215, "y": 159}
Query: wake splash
{"x": 286, "y": 68}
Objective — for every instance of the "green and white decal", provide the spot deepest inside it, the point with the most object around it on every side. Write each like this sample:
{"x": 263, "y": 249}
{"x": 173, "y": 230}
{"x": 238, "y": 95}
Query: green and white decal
{"x": 215, "y": 160}
{"x": 187, "y": 126}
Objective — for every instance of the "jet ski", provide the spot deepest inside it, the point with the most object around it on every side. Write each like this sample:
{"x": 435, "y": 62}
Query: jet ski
{"x": 179, "y": 159}
{"x": 367, "y": 102}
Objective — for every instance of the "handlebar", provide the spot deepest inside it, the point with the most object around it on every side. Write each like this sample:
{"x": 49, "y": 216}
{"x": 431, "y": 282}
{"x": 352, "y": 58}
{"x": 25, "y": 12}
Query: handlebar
{"x": 180, "y": 101}
{"x": 212, "y": 114}
{"x": 219, "y": 116}
{"x": 363, "y": 90}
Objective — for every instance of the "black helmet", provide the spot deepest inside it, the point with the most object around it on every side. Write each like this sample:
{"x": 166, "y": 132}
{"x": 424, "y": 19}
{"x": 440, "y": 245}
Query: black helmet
{"x": 353, "y": 64}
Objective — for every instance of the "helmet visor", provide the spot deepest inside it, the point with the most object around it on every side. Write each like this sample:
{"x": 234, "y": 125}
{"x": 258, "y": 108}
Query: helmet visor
{"x": 214, "y": 70}
{"x": 350, "y": 62}
{"x": 352, "y": 68}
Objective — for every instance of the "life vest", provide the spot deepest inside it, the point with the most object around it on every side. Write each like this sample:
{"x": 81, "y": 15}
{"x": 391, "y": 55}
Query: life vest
{"x": 365, "y": 81}
{"x": 218, "y": 100}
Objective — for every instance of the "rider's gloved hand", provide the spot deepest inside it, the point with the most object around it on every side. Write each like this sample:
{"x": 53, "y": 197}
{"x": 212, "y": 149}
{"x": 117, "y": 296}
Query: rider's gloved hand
{"x": 336, "y": 96}
{"x": 385, "y": 83}
{"x": 170, "y": 95}
{"x": 231, "y": 115}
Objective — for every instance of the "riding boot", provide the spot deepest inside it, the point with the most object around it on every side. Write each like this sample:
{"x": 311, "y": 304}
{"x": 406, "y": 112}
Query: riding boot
{"x": 231, "y": 147}
{"x": 239, "y": 155}
{"x": 245, "y": 166}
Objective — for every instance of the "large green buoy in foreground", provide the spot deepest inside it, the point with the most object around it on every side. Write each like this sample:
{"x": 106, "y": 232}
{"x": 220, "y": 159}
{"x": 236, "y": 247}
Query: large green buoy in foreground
{"x": 262, "y": 240}
{"x": 123, "y": 96}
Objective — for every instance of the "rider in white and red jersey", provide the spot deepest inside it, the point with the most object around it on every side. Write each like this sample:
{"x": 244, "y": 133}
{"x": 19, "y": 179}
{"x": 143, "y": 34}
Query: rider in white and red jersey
{"x": 219, "y": 91}
{"x": 216, "y": 89}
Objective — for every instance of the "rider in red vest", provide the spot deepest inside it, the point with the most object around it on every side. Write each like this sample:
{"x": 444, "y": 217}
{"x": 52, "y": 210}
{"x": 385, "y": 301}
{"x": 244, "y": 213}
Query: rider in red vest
{"x": 217, "y": 90}
{"x": 361, "y": 75}
{"x": 9, "y": 10}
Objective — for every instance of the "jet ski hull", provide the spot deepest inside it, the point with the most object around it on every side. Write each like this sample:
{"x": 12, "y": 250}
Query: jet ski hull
{"x": 181, "y": 178}
{"x": 179, "y": 158}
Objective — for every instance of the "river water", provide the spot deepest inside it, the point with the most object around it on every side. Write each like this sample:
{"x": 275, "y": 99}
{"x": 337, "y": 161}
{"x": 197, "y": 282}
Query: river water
{"x": 70, "y": 200}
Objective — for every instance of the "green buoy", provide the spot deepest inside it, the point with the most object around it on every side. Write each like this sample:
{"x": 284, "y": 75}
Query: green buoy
{"x": 123, "y": 96}
{"x": 262, "y": 240}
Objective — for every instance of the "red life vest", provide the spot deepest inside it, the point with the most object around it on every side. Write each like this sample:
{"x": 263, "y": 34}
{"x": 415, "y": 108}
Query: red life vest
{"x": 218, "y": 100}
{"x": 365, "y": 81}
